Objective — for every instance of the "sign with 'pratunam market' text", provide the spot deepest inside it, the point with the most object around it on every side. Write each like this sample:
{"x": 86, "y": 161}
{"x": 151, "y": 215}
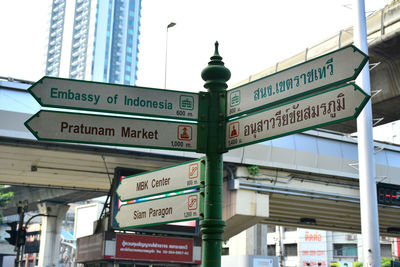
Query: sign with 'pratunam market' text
{"x": 109, "y": 130}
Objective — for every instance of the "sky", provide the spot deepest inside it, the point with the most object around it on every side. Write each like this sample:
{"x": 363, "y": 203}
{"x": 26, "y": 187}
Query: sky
{"x": 253, "y": 35}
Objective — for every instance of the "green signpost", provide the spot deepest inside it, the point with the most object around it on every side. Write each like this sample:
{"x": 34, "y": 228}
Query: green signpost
{"x": 114, "y": 98}
{"x": 314, "y": 75}
{"x": 111, "y": 130}
{"x": 211, "y": 122}
{"x": 328, "y": 107}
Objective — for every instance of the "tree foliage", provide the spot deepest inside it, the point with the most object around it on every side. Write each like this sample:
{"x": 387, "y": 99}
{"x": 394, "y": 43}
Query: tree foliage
{"x": 5, "y": 198}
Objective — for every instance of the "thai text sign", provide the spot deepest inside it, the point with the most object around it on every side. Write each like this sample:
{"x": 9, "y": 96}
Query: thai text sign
{"x": 324, "y": 108}
{"x": 94, "y": 96}
{"x": 154, "y": 248}
{"x": 110, "y": 130}
{"x": 159, "y": 211}
{"x": 325, "y": 71}
{"x": 183, "y": 176}
{"x": 313, "y": 248}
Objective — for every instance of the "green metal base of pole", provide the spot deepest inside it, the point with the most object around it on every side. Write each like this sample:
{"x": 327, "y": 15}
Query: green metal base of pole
{"x": 212, "y": 241}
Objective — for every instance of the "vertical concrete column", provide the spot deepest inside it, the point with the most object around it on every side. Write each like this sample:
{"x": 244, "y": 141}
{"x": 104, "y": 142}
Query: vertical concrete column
{"x": 256, "y": 240}
{"x": 51, "y": 232}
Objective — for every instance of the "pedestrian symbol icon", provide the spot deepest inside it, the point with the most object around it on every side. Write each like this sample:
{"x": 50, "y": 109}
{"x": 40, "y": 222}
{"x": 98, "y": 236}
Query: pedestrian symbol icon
{"x": 185, "y": 132}
{"x": 192, "y": 202}
{"x": 194, "y": 170}
{"x": 234, "y": 129}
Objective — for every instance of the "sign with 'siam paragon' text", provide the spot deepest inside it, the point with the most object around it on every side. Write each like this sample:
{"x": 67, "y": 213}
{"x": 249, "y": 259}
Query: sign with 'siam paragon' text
{"x": 159, "y": 211}
{"x": 103, "y": 97}
{"x": 109, "y": 130}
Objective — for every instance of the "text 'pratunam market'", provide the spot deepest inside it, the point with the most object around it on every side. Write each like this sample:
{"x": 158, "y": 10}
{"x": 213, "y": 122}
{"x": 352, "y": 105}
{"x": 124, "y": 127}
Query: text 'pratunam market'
{"x": 106, "y": 131}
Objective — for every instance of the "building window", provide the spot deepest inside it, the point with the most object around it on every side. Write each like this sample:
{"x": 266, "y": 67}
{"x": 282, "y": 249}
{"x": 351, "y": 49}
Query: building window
{"x": 345, "y": 250}
{"x": 290, "y": 249}
{"x": 225, "y": 251}
{"x": 290, "y": 229}
{"x": 271, "y": 250}
{"x": 386, "y": 250}
{"x": 271, "y": 228}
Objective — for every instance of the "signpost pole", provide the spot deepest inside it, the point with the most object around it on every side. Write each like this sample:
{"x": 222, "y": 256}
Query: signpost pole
{"x": 368, "y": 198}
{"x": 215, "y": 76}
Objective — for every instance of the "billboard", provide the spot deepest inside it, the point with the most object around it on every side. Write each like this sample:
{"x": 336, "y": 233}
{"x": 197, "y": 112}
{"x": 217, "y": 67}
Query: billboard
{"x": 313, "y": 248}
{"x": 154, "y": 248}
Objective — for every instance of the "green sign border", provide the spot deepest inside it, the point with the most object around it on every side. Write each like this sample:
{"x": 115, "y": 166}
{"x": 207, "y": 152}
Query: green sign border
{"x": 158, "y": 223}
{"x": 202, "y": 175}
{"x": 156, "y": 91}
{"x": 35, "y": 133}
{"x": 355, "y": 115}
{"x": 329, "y": 85}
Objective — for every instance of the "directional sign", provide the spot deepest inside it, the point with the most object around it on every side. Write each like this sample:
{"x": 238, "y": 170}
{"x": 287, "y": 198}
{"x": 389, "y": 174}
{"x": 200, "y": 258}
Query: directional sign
{"x": 326, "y": 71}
{"x": 161, "y": 181}
{"x": 328, "y": 107}
{"x": 159, "y": 211}
{"x": 110, "y": 130}
{"x": 94, "y": 96}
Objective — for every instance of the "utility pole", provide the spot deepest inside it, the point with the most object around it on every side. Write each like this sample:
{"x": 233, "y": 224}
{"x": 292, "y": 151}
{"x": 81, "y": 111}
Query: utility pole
{"x": 366, "y": 163}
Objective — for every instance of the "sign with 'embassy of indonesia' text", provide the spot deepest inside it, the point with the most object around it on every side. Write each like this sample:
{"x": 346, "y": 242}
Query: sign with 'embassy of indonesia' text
{"x": 94, "y": 96}
{"x": 109, "y": 130}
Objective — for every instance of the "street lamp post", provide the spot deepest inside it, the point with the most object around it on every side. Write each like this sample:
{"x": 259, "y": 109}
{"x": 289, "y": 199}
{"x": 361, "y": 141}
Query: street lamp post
{"x": 172, "y": 24}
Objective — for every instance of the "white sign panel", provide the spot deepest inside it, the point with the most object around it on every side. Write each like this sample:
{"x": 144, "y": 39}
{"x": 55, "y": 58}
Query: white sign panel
{"x": 75, "y": 94}
{"x": 109, "y": 130}
{"x": 328, "y": 107}
{"x": 258, "y": 262}
{"x": 159, "y": 211}
{"x": 313, "y": 248}
{"x": 345, "y": 264}
{"x": 329, "y": 70}
{"x": 183, "y": 176}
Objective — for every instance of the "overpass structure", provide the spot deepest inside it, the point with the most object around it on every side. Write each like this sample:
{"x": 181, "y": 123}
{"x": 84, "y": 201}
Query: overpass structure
{"x": 304, "y": 180}
{"x": 308, "y": 179}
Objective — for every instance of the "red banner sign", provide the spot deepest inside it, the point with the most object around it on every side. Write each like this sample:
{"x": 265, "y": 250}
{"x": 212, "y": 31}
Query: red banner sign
{"x": 151, "y": 248}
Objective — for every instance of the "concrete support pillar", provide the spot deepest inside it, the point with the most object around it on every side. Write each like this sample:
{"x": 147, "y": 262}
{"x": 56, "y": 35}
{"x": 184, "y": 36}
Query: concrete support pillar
{"x": 256, "y": 240}
{"x": 51, "y": 232}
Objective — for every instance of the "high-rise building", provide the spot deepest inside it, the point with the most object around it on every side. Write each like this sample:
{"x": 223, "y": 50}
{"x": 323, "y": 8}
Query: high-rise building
{"x": 94, "y": 40}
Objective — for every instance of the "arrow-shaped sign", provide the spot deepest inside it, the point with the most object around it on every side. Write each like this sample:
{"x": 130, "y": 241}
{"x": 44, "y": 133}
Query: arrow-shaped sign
{"x": 328, "y": 107}
{"x": 161, "y": 181}
{"x": 110, "y": 130}
{"x": 104, "y": 97}
{"x": 329, "y": 70}
{"x": 159, "y": 211}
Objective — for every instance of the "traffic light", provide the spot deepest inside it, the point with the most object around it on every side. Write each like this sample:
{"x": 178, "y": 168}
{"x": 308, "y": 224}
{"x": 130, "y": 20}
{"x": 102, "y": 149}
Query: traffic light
{"x": 12, "y": 240}
{"x": 21, "y": 236}
{"x": 388, "y": 194}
